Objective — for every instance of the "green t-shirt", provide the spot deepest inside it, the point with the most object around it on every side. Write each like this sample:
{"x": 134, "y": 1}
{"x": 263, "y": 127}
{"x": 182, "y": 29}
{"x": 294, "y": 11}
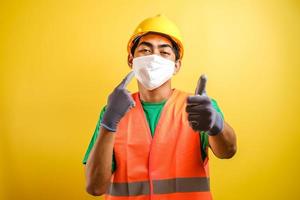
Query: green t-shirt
{"x": 152, "y": 112}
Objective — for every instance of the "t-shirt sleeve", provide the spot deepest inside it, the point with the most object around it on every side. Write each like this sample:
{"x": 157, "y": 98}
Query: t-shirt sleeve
{"x": 204, "y": 136}
{"x": 216, "y": 107}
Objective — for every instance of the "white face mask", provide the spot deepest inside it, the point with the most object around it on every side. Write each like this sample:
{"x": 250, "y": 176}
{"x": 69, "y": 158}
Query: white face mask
{"x": 153, "y": 70}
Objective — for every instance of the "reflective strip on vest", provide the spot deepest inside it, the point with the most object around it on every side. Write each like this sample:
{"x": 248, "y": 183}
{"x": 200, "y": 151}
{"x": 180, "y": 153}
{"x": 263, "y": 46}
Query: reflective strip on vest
{"x": 197, "y": 184}
{"x": 166, "y": 186}
{"x": 129, "y": 189}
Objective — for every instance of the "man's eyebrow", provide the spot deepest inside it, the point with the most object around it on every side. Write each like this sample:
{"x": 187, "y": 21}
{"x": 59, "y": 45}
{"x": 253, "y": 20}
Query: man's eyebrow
{"x": 165, "y": 45}
{"x": 148, "y": 44}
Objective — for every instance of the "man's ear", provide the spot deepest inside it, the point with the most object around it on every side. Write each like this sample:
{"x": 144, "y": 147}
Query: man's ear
{"x": 129, "y": 60}
{"x": 177, "y": 66}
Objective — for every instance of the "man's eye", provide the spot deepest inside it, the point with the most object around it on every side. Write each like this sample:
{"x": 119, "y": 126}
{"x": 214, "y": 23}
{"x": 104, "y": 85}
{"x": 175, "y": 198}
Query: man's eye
{"x": 144, "y": 50}
{"x": 165, "y": 53}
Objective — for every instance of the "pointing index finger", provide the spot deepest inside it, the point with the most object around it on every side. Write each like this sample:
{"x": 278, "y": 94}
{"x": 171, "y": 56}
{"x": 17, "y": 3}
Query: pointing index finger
{"x": 126, "y": 80}
{"x": 201, "y": 85}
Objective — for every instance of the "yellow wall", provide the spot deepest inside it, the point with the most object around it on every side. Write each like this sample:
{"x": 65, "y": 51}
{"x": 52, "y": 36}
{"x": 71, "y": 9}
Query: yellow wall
{"x": 60, "y": 59}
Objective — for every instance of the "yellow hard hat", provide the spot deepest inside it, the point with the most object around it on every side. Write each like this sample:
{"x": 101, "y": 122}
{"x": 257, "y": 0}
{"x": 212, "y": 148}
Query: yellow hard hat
{"x": 159, "y": 24}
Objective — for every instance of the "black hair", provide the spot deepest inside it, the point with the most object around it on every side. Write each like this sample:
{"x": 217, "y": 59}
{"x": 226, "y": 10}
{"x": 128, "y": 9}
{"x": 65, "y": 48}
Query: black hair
{"x": 174, "y": 44}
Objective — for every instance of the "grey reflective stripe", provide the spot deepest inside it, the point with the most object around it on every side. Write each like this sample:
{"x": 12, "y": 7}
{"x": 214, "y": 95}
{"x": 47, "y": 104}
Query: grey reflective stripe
{"x": 129, "y": 189}
{"x": 165, "y": 186}
{"x": 196, "y": 184}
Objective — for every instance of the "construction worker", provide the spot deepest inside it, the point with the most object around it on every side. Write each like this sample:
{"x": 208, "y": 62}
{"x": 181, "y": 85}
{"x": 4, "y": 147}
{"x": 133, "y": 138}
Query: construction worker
{"x": 153, "y": 144}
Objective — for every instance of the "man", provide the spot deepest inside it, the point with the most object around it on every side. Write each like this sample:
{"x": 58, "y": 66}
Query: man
{"x": 158, "y": 137}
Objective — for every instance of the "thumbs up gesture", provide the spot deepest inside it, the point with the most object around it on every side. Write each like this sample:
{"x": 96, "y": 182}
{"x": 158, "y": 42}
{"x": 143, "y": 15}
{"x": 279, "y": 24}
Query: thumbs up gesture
{"x": 119, "y": 102}
{"x": 201, "y": 114}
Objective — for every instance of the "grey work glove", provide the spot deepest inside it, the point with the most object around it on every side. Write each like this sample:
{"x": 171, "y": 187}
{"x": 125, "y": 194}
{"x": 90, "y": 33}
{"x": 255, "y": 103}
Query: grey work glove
{"x": 201, "y": 114}
{"x": 119, "y": 102}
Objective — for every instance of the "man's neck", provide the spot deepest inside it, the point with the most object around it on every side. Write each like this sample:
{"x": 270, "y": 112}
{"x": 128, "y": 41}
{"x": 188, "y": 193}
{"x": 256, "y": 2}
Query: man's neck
{"x": 157, "y": 95}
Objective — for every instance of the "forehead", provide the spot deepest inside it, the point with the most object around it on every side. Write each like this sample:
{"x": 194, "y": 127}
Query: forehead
{"x": 155, "y": 39}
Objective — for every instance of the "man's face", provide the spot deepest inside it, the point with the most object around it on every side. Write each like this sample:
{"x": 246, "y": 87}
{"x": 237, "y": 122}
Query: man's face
{"x": 155, "y": 44}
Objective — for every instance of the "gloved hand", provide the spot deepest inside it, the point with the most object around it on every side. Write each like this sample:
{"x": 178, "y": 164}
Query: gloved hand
{"x": 119, "y": 102}
{"x": 201, "y": 114}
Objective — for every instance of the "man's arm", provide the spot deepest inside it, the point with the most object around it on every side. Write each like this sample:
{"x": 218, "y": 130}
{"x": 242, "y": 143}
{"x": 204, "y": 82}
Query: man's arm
{"x": 223, "y": 144}
{"x": 203, "y": 116}
{"x": 98, "y": 166}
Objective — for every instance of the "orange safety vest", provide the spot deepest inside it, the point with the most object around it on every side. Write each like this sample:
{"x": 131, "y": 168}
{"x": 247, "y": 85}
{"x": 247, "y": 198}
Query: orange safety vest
{"x": 167, "y": 166}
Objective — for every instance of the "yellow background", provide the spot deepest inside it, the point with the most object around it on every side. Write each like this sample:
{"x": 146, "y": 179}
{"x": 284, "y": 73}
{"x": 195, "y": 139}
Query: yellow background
{"x": 60, "y": 59}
